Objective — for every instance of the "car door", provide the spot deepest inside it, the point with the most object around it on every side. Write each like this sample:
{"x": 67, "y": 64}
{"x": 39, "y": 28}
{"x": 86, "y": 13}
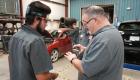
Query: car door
{"x": 63, "y": 42}
{"x": 68, "y": 41}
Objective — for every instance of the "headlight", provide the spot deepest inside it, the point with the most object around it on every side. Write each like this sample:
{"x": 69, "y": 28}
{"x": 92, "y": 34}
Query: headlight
{"x": 121, "y": 32}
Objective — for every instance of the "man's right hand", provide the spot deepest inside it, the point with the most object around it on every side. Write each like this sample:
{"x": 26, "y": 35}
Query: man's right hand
{"x": 81, "y": 47}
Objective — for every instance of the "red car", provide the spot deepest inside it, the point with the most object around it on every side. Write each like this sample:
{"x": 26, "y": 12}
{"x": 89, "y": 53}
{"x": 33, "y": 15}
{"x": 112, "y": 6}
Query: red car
{"x": 58, "y": 43}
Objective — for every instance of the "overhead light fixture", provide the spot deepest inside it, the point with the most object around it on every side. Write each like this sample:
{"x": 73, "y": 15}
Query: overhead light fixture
{"x": 128, "y": 8}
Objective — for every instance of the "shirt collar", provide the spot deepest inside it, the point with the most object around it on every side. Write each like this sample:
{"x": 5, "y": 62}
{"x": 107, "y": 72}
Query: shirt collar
{"x": 29, "y": 28}
{"x": 102, "y": 30}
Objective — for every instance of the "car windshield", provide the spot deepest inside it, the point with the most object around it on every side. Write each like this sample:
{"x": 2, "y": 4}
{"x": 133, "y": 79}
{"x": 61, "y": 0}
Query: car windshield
{"x": 129, "y": 26}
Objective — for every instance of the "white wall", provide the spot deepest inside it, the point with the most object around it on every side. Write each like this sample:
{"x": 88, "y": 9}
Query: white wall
{"x": 68, "y": 8}
{"x": 60, "y": 1}
{"x": 25, "y": 3}
{"x": 57, "y": 10}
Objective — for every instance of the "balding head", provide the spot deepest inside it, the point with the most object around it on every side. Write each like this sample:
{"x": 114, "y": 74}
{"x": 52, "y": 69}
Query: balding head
{"x": 94, "y": 11}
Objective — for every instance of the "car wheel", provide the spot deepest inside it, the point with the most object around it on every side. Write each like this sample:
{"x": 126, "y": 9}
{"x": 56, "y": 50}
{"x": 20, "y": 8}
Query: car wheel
{"x": 54, "y": 55}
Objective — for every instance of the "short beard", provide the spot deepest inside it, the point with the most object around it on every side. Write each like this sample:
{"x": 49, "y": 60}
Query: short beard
{"x": 39, "y": 28}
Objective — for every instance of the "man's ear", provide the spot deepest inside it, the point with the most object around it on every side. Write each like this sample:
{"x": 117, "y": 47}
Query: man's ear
{"x": 37, "y": 19}
{"x": 95, "y": 19}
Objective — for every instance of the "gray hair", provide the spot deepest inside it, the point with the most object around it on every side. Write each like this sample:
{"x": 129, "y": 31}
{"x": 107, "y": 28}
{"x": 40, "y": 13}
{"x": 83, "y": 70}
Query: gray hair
{"x": 93, "y": 11}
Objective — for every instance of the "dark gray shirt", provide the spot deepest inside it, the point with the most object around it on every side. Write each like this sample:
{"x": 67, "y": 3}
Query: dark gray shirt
{"x": 104, "y": 56}
{"x": 28, "y": 55}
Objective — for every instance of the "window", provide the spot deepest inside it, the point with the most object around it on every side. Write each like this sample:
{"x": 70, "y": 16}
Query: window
{"x": 129, "y": 26}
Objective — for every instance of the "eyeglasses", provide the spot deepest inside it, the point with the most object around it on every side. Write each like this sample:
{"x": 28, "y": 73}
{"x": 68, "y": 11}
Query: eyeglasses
{"x": 86, "y": 22}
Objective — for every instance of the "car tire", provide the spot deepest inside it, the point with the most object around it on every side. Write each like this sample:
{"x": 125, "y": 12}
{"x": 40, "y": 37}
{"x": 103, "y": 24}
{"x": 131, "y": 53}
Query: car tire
{"x": 54, "y": 55}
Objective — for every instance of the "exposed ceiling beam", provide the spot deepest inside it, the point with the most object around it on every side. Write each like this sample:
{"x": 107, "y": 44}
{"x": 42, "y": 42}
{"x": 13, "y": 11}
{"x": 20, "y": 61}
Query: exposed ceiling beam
{"x": 55, "y": 2}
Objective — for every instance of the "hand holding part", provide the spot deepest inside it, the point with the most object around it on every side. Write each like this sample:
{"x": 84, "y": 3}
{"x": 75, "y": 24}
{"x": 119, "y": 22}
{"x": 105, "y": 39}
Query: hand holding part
{"x": 80, "y": 47}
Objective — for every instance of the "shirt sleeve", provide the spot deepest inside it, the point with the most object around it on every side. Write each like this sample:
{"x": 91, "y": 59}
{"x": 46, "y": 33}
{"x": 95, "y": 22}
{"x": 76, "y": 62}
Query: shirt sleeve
{"x": 96, "y": 59}
{"x": 39, "y": 57}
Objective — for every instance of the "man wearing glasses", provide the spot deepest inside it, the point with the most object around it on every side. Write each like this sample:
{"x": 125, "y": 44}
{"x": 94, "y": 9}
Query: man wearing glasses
{"x": 104, "y": 55}
{"x": 28, "y": 55}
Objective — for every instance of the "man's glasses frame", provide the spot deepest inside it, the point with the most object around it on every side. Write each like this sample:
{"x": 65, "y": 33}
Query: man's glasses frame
{"x": 86, "y": 22}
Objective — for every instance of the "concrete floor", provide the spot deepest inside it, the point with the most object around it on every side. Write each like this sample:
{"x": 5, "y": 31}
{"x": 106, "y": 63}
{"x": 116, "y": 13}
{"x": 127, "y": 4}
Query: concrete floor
{"x": 4, "y": 67}
{"x": 65, "y": 70}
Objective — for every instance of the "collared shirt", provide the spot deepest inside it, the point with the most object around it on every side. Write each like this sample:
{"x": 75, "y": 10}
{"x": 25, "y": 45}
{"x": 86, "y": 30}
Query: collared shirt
{"x": 28, "y": 55}
{"x": 104, "y": 56}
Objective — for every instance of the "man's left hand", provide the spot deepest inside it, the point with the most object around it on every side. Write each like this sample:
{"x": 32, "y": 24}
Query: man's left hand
{"x": 70, "y": 55}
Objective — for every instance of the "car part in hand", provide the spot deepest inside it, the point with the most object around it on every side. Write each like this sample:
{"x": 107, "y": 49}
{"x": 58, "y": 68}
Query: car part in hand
{"x": 75, "y": 51}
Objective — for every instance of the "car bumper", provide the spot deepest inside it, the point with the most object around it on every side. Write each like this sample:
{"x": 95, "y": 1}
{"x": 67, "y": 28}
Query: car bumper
{"x": 132, "y": 48}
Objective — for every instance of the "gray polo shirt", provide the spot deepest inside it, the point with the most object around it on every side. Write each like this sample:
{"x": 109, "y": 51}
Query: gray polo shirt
{"x": 28, "y": 55}
{"x": 104, "y": 56}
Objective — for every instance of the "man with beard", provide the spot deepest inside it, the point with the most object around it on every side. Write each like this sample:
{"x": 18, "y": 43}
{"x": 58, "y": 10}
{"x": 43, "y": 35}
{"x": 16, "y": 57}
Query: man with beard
{"x": 28, "y": 55}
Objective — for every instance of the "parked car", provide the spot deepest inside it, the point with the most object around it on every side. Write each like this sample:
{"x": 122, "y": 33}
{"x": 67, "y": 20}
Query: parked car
{"x": 130, "y": 31}
{"x": 58, "y": 43}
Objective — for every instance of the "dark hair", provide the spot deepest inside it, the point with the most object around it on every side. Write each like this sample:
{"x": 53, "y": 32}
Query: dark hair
{"x": 62, "y": 19}
{"x": 70, "y": 21}
{"x": 62, "y": 22}
{"x": 29, "y": 19}
{"x": 36, "y": 9}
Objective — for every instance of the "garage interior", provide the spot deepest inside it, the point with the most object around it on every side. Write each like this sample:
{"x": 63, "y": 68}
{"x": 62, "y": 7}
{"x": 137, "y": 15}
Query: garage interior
{"x": 12, "y": 17}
